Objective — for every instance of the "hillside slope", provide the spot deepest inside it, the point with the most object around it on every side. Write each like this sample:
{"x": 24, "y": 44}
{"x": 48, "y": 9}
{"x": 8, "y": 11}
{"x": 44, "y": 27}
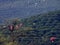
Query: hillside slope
{"x": 36, "y": 30}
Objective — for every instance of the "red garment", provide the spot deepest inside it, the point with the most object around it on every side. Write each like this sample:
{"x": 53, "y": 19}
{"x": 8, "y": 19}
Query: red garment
{"x": 16, "y": 27}
{"x": 11, "y": 27}
{"x": 52, "y": 39}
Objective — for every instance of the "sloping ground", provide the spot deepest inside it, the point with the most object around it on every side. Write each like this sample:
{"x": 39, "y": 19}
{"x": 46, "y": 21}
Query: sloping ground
{"x": 36, "y": 30}
{"x": 44, "y": 26}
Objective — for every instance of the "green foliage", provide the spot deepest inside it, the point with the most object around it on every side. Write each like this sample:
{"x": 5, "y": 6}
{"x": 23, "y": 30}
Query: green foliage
{"x": 42, "y": 25}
